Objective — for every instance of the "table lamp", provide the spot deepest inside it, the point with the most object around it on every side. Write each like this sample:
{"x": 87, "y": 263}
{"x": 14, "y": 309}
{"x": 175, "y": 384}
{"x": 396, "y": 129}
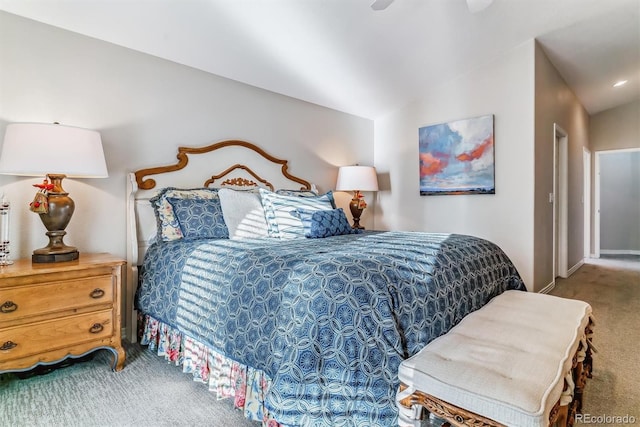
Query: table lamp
{"x": 357, "y": 178}
{"x": 55, "y": 152}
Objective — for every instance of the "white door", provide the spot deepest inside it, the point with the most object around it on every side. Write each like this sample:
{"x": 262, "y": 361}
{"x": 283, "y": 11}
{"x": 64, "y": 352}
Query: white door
{"x": 586, "y": 201}
{"x": 560, "y": 201}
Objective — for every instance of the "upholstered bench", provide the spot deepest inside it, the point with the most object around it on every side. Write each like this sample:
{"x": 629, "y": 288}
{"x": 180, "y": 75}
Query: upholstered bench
{"x": 521, "y": 360}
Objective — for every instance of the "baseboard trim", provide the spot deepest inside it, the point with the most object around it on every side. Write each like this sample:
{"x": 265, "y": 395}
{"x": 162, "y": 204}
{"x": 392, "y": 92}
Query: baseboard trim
{"x": 548, "y": 288}
{"x": 575, "y": 267}
{"x": 619, "y": 252}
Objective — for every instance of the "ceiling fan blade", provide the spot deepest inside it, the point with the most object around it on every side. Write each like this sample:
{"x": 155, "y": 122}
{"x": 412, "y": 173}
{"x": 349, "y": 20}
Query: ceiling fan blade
{"x": 478, "y": 5}
{"x": 381, "y": 4}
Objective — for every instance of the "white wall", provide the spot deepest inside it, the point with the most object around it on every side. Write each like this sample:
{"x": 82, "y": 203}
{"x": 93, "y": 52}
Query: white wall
{"x": 616, "y": 128}
{"x": 556, "y": 103}
{"x": 145, "y": 107}
{"x": 504, "y": 87}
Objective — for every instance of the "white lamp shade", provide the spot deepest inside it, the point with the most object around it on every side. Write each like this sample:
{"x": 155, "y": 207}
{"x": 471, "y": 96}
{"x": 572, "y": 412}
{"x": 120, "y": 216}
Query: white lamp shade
{"x": 37, "y": 149}
{"x": 360, "y": 178}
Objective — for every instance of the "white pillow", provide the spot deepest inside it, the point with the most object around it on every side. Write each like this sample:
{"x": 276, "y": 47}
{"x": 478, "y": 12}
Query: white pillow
{"x": 243, "y": 213}
{"x": 283, "y": 219}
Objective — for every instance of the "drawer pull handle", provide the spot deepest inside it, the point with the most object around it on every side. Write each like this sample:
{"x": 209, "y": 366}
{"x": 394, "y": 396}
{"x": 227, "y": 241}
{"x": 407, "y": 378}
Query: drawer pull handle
{"x": 8, "y": 307}
{"x": 8, "y": 345}
{"x": 96, "y": 293}
{"x": 96, "y": 328}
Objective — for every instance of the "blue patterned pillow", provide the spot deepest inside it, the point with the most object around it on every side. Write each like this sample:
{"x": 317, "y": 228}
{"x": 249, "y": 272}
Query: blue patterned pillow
{"x": 200, "y": 218}
{"x": 326, "y": 223}
{"x": 168, "y": 227}
{"x": 280, "y": 212}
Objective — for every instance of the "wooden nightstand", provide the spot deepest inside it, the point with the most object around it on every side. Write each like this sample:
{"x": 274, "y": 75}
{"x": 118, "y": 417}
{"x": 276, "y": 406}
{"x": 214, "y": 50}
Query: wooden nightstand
{"x": 52, "y": 311}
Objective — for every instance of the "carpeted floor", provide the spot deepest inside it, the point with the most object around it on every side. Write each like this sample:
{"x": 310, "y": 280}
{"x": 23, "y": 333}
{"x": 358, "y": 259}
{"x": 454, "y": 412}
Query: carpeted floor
{"x": 151, "y": 392}
{"x": 612, "y": 287}
{"x": 147, "y": 392}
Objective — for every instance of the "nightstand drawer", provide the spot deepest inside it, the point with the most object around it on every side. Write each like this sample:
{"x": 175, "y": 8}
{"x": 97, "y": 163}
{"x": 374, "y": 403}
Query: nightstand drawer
{"x": 24, "y": 301}
{"x": 49, "y": 335}
{"x": 51, "y": 311}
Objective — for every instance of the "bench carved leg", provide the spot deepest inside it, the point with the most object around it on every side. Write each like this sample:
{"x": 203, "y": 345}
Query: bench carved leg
{"x": 562, "y": 416}
{"x": 581, "y": 380}
{"x": 582, "y": 370}
{"x": 456, "y": 416}
{"x": 588, "y": 360}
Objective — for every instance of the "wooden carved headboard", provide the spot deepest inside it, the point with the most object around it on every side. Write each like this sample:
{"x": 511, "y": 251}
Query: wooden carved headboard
{"x": 183, "y": 160}
{"x": 230, "y": 164}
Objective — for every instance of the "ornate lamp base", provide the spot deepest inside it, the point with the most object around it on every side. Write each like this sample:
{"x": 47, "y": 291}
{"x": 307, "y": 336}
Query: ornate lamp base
{"x": 356, "y": 212}
{"x": 56, "y": 250}
{"x": 44, "y": 258}
{"x": 61, "y": 207}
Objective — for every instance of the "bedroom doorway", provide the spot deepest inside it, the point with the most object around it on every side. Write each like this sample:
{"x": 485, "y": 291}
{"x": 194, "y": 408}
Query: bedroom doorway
{"x": 559, "y": 199}
{"x": 616, "y": 208}
{"x": 586, "y": 200}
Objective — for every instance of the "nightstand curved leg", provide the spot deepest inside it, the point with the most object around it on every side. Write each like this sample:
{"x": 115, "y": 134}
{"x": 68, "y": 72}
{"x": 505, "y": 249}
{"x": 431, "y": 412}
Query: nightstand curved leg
{"x": 119, "y": 357}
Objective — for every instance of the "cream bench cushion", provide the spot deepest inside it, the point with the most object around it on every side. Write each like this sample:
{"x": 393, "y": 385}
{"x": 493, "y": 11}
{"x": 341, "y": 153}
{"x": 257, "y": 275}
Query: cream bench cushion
{"x": 506, "y": 361}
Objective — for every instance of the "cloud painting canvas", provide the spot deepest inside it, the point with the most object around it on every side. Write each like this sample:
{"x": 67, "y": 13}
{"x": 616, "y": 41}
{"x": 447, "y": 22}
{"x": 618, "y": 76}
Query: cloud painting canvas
{"x": 457, "y": 157}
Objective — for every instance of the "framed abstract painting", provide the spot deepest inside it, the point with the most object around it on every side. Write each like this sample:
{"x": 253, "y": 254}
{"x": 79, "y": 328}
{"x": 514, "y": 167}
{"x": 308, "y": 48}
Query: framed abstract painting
{"x": 457, "y": 157}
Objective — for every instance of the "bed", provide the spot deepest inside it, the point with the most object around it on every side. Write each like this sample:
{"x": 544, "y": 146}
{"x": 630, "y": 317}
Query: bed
{"x": 298, "y": 331}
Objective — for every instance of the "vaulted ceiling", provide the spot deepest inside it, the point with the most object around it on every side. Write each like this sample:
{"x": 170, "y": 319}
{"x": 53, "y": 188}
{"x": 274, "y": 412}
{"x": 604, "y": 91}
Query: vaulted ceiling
{"x": 344, "y": 55}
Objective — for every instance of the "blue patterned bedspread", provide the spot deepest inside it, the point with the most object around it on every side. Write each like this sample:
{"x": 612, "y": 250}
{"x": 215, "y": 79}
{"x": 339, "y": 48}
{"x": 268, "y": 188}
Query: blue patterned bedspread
{"x": 328, "y": 320}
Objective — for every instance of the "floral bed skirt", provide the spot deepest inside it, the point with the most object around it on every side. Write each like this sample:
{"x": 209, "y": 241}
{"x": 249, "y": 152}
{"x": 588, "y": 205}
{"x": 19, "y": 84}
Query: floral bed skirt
{"x": 226, "y": 378}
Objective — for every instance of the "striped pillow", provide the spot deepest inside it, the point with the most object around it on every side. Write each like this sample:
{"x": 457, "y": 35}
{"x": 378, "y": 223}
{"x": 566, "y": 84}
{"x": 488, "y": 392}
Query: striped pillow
{"x": 298, "y": 193}
{"x": 283, "y": 220}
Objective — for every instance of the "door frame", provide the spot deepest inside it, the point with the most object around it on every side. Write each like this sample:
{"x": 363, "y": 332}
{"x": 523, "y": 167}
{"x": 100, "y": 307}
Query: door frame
{"x": 586, "y": 200}
{"x": 596, "y": 196}
{"x": 560, "y": 201}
